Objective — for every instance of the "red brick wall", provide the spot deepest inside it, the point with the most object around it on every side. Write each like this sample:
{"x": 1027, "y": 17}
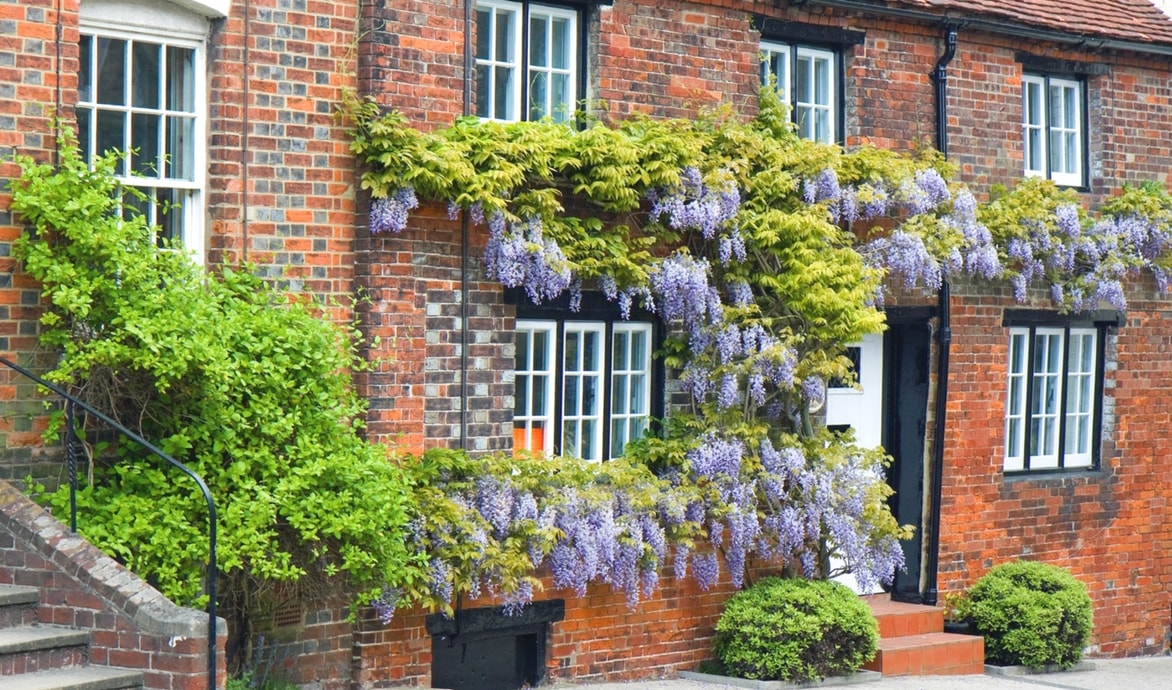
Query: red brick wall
{"x": 601, "y": 637}
{"x": 1109, "y": 527}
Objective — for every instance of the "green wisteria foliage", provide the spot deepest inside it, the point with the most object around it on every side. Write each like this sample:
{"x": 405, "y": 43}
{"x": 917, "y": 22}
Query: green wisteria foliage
{"x": 767, "y": 254}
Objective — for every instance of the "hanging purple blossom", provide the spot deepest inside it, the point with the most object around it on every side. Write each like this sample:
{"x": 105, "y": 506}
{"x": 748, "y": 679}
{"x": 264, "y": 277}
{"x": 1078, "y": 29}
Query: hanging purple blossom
{"x": 390, "y": 214}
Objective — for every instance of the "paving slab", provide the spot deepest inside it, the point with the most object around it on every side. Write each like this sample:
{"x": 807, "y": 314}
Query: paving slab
{"x": 1142, "y": 673}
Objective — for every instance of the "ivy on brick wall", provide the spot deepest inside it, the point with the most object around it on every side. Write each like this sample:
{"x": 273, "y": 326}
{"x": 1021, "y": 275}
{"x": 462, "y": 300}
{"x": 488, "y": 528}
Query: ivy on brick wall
{"x": 768, "y": 254}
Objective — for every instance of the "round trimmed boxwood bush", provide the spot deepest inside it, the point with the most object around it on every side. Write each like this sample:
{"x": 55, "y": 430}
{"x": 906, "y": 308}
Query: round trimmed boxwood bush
{"x": 1032, "y": 614}
{"x": 795, "y": 630}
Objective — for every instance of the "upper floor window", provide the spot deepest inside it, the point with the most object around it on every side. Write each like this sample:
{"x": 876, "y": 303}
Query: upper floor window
{"x": 582, "y": 388}
{"x": 1053, "y": 133}
{"x": 1055, "y": 382}
{"x": 141, "y": 94}
{"x": 526, "y": 61}
{"x": 807, "y": 79}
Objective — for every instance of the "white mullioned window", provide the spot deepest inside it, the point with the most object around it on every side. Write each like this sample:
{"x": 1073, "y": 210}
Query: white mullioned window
{"x": 582, "y": 388}
{"x": 630, "y": 387}
{"x": 1051, "y": 404}
{"x": 526, "y": 61}
{"x": 141, "y": 93}
{"x": 807, "y": 79}
{"x": 1052, "y": 126}
{"x": 583, "y": 369}
{"x": 534, "y": 374}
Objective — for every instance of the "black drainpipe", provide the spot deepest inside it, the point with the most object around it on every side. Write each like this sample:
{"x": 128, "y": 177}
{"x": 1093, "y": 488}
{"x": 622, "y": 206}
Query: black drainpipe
{"x": 944, "y": 335}
{"x": 464, "y": 233}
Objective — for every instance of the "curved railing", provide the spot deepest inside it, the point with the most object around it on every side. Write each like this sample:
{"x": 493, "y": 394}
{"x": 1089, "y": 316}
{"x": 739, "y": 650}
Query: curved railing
{"x": 71, "y": 405}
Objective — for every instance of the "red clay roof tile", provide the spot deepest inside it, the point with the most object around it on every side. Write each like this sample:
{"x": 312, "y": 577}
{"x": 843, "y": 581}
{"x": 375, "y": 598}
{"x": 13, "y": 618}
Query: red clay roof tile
{"x": 1138, "y": 21}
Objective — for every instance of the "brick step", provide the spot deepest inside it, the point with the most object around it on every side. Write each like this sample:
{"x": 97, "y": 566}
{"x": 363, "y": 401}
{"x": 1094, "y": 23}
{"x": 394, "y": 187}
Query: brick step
{"x": 18, "y": 606}
{"x": 897, "y": 619}
{"x": 929, "y": 654}
{"x": 87, "y": 678}
{"x": 29, "y": 649}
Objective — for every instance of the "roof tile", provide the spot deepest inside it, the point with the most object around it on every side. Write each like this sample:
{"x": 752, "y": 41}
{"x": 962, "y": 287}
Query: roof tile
{"x": 1138, "y": 21}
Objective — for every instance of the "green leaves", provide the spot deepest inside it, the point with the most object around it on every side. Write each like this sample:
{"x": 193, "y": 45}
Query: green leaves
{"x": 250, "y": 389}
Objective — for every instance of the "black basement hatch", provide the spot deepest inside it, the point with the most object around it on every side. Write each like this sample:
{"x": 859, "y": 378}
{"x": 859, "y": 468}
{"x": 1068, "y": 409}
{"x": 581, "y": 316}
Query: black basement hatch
{"x": 483, "y": 649}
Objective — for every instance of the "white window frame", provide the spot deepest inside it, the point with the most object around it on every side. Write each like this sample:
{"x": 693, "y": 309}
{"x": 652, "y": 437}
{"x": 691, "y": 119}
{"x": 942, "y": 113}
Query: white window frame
{"x": 525, "y": 421}
{"x": 1051, "y": 403}
{"x": 519, "y": 61}
{"x": 142, "y": 22}
{"x": 631, "y": 411}
{"x": 783, "y": 60}
{"x": 567, "y": 409}
{"x": 1053, "y": 113}
{"x": 583, "y": 414}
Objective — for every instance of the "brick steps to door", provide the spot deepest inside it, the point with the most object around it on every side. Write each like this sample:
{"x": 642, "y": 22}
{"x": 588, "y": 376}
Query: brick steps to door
{"x": 912, "y": 642}
{"x": 49, "y": 657}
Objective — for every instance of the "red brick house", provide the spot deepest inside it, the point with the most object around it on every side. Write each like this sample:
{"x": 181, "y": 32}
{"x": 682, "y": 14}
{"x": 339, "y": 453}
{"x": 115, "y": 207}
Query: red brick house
{"x": 1075, "y": 91}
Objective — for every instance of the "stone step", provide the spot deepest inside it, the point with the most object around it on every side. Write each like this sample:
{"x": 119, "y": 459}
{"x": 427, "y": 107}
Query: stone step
{"x": 87, "y": 678}
{"x": 18, "y": 605}
{"x": 929, "y": 654}
{"x": 29, "y": 649}
{"x": 897, "y": 619}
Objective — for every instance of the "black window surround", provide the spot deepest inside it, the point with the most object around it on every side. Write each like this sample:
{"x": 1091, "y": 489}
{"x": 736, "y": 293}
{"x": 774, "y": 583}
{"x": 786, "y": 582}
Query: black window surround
{"x": 595, "y": 307}
{"x": 833, "y": 39}
{"x": 1103, "y": 322}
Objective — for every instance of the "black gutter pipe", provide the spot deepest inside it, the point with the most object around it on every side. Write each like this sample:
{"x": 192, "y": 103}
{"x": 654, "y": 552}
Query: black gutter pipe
{"x": 464, "y": 234}
{"x": 930, "y": 592}
{"x": 999, "y": 27}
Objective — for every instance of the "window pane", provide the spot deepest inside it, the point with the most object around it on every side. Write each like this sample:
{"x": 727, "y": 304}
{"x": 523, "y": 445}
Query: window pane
{"x": 618, "y": 396}
{"x": 541, "y": 357}
{"x": 618, "y": 437}
{"x": 538, "y": 391}
{"x": 521, "y": 338}
{"x": 483, "y": 33}
{"x": 638, "y": 394}
{"x": 589, "y": 449}
{"x": 85, "y": 77}
{"x": 145, "y": 74}
{"x": 504, "y": 35}
{"x": 822, "y": 81}
{"x": 172, "y": 203}
{"x": 144, "y": 141}
{"x": 590, "y": 355}
{"x": 561, "y": 43}
{"x": 538, "y": 41}
{"x": 590, "y": 396}
{"x": 84, "y": 139}
{"x": 538, "y": 95}
{"x": 483, "y": 91}
{"x": 521, "y": 384}
{"x": 570, "y": 440}
{"x": 111, "y": 71}
{"x": 112, "y": 133}
{"x": 570, "y": 396}
{"x": 503, "y": 84}
{"x": 805, "y": 82}
{"x": 822, "y": 128}
{"x": 560, "y": 98}
{"x": 181, "y": 79}
{"x": 180, "y": 148}
{"x": 572, "y": 357}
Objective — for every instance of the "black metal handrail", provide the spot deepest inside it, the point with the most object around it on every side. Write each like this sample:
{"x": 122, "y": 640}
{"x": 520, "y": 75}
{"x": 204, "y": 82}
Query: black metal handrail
{"x": 71, "y": 403}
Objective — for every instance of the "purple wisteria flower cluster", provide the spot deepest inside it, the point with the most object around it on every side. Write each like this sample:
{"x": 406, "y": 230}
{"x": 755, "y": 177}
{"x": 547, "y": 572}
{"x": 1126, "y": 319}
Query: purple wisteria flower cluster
{"x": 518, "y": 255}
{"x": 904, "y": 255}
{"x": 695, "y": 206}
{"x": 390, "y": 214}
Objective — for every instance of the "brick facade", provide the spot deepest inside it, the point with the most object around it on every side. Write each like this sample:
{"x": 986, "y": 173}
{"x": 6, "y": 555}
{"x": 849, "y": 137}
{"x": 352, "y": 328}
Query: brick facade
{"x": 282, "y": 193}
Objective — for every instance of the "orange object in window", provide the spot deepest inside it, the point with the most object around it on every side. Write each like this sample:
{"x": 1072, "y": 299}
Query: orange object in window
{"x": 536, "y": 440}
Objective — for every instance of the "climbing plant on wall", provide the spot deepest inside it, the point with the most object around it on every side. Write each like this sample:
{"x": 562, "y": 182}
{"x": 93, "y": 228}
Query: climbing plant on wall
{"x": 767, "y": 254}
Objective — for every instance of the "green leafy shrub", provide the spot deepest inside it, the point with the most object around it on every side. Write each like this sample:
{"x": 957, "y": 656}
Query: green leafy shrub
{"x": 795, "y": 630}
{"x": 1030, "y": 613}
{"x": 249, "y": 388}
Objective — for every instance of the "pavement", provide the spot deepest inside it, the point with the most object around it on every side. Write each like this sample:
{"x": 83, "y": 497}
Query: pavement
{"x": 1142, "y": 673}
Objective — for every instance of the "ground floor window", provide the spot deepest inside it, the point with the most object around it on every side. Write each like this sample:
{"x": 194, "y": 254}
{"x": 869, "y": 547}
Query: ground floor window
{"x": 583, "y": 388}
{"x": 1054, "y": 389}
